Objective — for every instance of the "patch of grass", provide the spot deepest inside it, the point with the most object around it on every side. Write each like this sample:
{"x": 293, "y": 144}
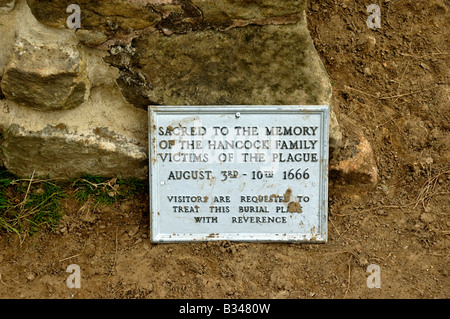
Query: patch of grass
{"x": 44, "y": 207}
{"x": 28, "y": 206}
{"x": 31, "y": 205}
{"x": 130, "y": 188}
{"x": 5, "y": 179}
{"x": 106, "y": 191}
{"x": 5, "y": 202}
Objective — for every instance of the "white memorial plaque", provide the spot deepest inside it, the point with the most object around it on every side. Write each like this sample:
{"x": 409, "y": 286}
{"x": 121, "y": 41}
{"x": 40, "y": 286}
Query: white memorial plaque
{"x": 239, "y": 173}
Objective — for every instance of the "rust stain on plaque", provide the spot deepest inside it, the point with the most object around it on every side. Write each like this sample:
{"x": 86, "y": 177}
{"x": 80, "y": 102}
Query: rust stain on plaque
{"x": 294, "y": 207}
{"x": 287, "y": 195}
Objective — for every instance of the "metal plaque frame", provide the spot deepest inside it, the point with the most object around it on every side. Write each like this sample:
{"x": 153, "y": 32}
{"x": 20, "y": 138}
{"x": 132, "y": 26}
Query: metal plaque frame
{"x": 166, "y": 227}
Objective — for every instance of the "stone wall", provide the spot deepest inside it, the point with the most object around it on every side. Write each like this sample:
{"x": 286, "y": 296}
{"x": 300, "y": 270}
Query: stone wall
{"x": 75, "y": 101}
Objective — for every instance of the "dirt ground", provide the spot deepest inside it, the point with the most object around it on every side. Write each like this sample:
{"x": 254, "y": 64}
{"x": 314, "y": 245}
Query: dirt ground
{"x": 393, "y": 83}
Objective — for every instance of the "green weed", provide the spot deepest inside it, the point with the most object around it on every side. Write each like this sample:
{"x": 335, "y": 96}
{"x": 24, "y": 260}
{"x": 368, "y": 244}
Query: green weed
{"x": 28, "y": 206}
{"x": 106, "y": 191}
{"x": 31, "y": 205}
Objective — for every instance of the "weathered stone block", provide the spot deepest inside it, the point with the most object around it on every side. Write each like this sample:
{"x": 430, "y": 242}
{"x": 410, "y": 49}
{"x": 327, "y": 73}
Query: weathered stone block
{"x": 120, "y": 20}
{"x": 358, "y": 168}
{"x": 45, "y": 77}
{"x": 235, "y": 52}
{"x": 91, "y": 38}
{"x": 254, "y": 65}
{"x": 59, "y": 153}
{"x": 263, "y": 65}
{"x": 104, "y": 136}
{"x": 216, "y": 11}
{"x": 107, "y": 15}
{"x": 355, "y": 163}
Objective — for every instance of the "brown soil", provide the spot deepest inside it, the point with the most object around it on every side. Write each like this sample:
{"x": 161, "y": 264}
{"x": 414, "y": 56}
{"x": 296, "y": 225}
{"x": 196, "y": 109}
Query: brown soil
{"x": 393, "y": 83}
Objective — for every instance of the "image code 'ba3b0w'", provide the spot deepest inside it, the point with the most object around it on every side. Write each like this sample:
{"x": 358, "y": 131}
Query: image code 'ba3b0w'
{"x": 239, "y": 173}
